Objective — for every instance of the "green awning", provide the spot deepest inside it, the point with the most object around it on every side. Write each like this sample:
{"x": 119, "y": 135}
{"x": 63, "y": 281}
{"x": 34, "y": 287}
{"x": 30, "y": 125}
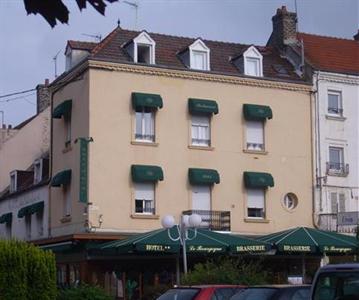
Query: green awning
{"x": 63, "y": 109}
{"x": 30, "y": 209}
{"x": 256, "y": 180}
{"x": 6, "y": 218}
{"x": 257, "y": 112}
{"x": 61, "y": 178}
{"x": 146, "y": 173}
{"x": 203, "y": 176}
{"x": 142, "y": 100}
{"x": 201, "y": 106}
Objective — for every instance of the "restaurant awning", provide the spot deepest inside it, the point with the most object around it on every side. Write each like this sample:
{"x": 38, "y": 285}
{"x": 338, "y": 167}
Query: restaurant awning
{"x": 254, "y": 112}
{"x": 61, "y": 178}
{"x": 309, "y": 240}
{"x": 142, "y": 100}
{"x": 63, "y": 109}
{"x": 258, "y": 180}
{"x": 146, "y": 173}
{"x": 202, "y": 106}
{"x": 203, "y": 176}
{"x": 30, "y": 209}
{"x": 6, "y": 218}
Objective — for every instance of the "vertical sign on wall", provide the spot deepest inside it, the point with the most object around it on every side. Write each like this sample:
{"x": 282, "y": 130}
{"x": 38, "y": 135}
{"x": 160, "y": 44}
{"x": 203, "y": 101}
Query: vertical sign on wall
{"x": 84, "y": 168}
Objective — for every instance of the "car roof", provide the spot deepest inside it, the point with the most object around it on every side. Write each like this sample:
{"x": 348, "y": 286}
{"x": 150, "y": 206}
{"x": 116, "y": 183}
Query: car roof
{"x": 340, "y": 267}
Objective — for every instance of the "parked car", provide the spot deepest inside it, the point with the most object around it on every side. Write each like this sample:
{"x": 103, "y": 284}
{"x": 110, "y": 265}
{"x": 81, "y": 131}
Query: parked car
{"x": 274, "y": 292}
{"x": 336, "y": 282}
{"x": 201, "y": 292}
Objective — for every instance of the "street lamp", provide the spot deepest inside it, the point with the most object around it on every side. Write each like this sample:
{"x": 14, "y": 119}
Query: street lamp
{"x": 186, "y": 222}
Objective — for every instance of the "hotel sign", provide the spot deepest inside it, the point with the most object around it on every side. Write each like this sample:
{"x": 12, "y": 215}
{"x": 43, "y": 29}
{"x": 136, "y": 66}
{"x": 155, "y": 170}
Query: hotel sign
{"x": 348, "y": 218}
{"x": 157, "y": 248}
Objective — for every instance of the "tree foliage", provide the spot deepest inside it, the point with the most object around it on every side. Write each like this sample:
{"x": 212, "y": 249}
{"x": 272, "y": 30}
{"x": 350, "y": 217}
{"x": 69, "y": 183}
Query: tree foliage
{"x": 83, "y": 292}
{"x": 26, "y": 272}
{"x": 227, "y": 271}
{"x": 53, "y": 10}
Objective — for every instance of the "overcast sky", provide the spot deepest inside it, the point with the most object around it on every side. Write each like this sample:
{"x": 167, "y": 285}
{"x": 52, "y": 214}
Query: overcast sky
{"x": 28, "y": 44}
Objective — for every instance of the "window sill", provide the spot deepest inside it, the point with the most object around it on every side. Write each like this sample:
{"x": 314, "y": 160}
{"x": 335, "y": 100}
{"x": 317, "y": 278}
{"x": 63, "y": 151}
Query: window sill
{"x": 335, "y": 118}
{"x": 261, "y": 152}
{"x": 67, "y": 149}
{"x": 65, "y": 219}
{"x": 208, "y": 148}
{"x": 144, "y": 216}
{"x": 139, "y": 143}
{"x": 255, "y": 220}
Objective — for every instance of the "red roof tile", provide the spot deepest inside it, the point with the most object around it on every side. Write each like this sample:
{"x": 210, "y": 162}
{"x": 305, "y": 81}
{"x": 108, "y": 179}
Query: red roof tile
{"x": 79, "y": 45}
{"x": 331, "y": 54}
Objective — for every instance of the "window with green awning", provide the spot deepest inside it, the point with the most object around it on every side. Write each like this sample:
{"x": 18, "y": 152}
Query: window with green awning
{"x": 30, "y": 209}
{"x": 6, "y": 218}
{"x": 146, "y": 173}
{"x": 142, "y": 100}
{"x": 257, "y": 180}
{"x": 61, "y": 178}
{"x": 202, "y": 106}
{"x": 254, "y": 112}
{"x": 63, "y": 109}
{"x": 203, "y": 176}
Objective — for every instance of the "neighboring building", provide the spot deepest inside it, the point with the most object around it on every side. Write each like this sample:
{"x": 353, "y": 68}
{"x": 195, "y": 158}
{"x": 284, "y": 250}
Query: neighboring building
{"x": 179, "y": 125}
{"x": 332, "y": 64}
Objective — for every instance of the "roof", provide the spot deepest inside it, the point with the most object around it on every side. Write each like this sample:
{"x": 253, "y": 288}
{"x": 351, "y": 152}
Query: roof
{"x": 331, "y": 54}
{"x": 168, "y": 48}
{"x": 79, "y": 45}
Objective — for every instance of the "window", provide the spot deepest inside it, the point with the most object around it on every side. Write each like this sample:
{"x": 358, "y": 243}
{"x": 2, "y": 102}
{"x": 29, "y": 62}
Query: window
{"x": 28, "y": 226}
{"x": 290, "y": 201}
{"x": 8, "y": 230}
{"x": 67, "y": 201}
{"x": 255, "y": 203}
{"x": 336, "y": 165}
{"x": 255, "y": 135}
{"x": 37, "y": 171}
{"x": 201, "y": 197}
{"x": 13, "y": 182}
{"x": 145, "y": 125}
{"x": 335, "y": 103}
{"x": 201, "y": 133}
{"x": 253, "y": 62}
{"x": 252, "y": 66}
{"x": 337, "y": 202}
{"x": 142, "y": 49}
{"x": 39, "y": 222}
{"x": 144, "y": 54}
{"x": 145, "y": 198}
{"x": 67, "y": 119}
{"x": 198, "y": 56}
{"x": 199, "y": 60}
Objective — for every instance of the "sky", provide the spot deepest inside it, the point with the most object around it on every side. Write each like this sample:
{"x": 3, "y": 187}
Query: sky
{"x": 28, "y": 44}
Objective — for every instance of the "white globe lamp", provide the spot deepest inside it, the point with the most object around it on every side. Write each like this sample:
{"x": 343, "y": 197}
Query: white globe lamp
{"x": 168, "y": 221}
{"x": 195, "y": 220}
{"x": 185, "y": 221}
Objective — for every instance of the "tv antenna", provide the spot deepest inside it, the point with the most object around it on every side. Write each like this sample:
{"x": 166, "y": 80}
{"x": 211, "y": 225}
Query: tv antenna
{"x": 135, "y": 5}
{"x": 97, "y": 37}
{"x": 55, "y": 62}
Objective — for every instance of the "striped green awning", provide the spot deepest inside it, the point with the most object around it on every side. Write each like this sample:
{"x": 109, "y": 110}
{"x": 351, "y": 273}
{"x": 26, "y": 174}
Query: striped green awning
{"x": 61, "y": 178}
{"x": 203, "y": 176}
{"x": 63, "y": 109}
{"x": 257, "y": 180}
{"x": 6, "y": 218}
{"x": 142, "y": 100}
{"x": 257, "y": 112}
{"x": 31, "y": 209}
{"x": 201, "y": 106}
{"x": 146, "y": 173}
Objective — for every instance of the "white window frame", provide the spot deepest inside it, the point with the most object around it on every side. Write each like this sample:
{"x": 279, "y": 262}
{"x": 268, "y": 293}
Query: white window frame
{"x": 335, "y": 111}
{"x": 143, "y": 39}
{"x": 248, "y": 192}
{"x": 199, "y": 47}
{"x": 38, "y": 165}
{"x": 145, "y": 188}
{"x": 250, "y": 145}
{"x": 339, "y": 205}
{"x": 140, "y": 135}
{"x": 252, "y": 54}
{"x": 340, "y": 169}
{"x": 200, "y": 124}
{"x": 66, "y": 212}
{"x": 13, "y": 181}
{"x": 40, "y": 222}
{"x": 67, "y": 120}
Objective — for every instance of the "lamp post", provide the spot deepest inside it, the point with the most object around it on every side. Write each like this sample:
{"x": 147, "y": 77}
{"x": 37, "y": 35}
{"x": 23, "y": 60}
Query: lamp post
{"x": 186, "y": 222}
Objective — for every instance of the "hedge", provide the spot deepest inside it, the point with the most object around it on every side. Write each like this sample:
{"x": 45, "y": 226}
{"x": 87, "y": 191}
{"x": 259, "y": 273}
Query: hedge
{"x": 26, "y": 272}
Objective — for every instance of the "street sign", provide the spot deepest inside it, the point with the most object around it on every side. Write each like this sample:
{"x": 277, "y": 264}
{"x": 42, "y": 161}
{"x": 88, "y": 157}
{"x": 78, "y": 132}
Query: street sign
{"x": 348, "y": 218}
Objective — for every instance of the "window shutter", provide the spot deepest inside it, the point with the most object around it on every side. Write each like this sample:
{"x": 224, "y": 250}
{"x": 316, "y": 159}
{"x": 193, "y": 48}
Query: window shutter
{"x": 254, "y": 132}
{"x": 341, "y": 202}
{"x": 255, "y": 198}
{"x": 333, "y": 202}
{"x": 144, "y": 191}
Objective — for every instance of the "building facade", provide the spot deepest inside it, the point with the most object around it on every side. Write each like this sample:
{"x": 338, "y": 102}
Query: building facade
{"x": 333, "y": 67}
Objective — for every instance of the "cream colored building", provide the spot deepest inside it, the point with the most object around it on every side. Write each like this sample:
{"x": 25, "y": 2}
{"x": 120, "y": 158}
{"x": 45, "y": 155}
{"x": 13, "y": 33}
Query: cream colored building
{"x": 179, "y": 130}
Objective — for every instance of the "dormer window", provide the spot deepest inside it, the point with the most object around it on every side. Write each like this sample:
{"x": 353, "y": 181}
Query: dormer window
{"x": 13, "y": 182}
{"x": 199, "y": 56}
{"x": 253, "y": 62}
{"x": 142, "y": 49}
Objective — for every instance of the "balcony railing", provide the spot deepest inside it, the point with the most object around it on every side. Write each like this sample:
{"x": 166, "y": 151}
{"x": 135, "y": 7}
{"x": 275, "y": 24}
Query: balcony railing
{"x": 335, "y": 111}
{"x": 337, "y": 169}
{"x": 145, "y": 137}
{"x": 213, "y": 219}
{"x": 201, "y": 142}
{"x": 255, "y": 146}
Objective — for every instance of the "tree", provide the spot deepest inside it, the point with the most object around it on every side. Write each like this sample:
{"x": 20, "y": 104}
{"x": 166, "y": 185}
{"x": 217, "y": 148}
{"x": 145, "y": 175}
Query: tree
{"x": 53, "y": 10}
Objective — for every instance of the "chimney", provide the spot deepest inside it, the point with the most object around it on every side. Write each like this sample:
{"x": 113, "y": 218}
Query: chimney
{"x": 356, "y": 37}
{"x": 284, "y": 28}
{"x": 42, "y": 96}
